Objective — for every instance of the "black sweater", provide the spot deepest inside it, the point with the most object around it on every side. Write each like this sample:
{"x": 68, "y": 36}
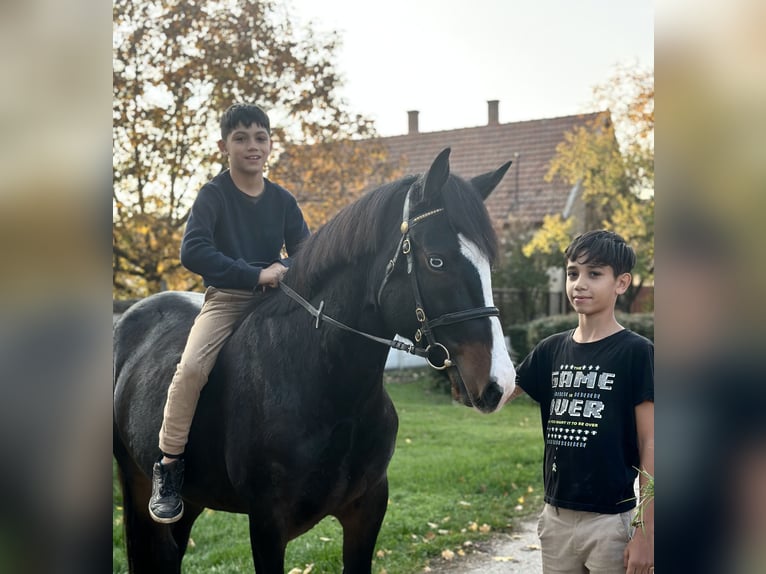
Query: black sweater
{"x": 230, "y": 236}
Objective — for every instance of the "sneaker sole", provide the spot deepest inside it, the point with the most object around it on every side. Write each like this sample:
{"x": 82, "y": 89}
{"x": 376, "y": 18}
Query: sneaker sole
{"x": 170, "y": 520}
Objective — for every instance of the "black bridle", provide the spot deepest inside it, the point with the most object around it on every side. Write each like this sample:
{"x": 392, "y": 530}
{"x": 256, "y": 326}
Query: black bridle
{"x": 433, "y": 348}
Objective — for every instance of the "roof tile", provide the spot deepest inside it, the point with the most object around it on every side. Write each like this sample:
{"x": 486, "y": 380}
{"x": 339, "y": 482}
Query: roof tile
{"x": 523, "y": 192}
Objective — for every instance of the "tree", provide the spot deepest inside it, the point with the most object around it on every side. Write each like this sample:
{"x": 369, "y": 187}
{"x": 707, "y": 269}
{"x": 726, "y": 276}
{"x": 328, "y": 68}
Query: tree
{"x": 176, "y": 67}
{"x": 612, "y": 158}
{"x": 330, "y": 174}
{"x": 519, "y": 280}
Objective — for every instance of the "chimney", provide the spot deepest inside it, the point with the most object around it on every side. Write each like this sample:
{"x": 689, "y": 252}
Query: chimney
{"x": 492, "y": 113}
{"x": 412, "y": 119}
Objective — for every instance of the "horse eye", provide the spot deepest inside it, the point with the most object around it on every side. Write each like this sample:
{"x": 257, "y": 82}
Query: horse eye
{"x": 435, "y": 262}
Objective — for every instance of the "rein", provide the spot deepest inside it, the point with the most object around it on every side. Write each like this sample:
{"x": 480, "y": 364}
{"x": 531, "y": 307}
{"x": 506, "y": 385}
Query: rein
{"x": 426, "y": 327}
{"x": 320, "y": 316}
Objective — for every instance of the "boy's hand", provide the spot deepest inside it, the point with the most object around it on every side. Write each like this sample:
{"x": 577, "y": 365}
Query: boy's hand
{"x": 639, "y": 553}
{"x": 272, "y": 275}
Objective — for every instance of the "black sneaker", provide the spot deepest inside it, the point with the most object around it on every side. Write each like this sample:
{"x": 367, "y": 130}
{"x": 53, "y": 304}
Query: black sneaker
{"x": 166, "y": 505}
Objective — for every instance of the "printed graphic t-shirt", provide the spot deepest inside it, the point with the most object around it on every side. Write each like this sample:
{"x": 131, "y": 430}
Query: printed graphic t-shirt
{"x": 587, "y": 394}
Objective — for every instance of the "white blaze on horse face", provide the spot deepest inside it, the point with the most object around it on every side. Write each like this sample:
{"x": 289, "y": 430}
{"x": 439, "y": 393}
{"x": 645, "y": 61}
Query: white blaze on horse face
{"x": 502, "y": 369}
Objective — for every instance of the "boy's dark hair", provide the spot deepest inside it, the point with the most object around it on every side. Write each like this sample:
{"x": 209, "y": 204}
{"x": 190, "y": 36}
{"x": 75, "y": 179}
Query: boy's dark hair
{"x": 245, "y": 114}
{"x": 602, "y": 247}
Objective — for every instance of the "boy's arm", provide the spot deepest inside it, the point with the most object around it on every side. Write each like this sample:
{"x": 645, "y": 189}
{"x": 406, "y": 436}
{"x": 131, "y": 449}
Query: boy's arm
{"x": 639, "y": 554}
{"x": 517, "y": 392}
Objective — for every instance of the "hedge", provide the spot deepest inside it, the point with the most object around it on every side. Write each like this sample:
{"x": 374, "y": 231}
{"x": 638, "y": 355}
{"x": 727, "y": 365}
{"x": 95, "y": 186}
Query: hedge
{"x": 525, "y": 336}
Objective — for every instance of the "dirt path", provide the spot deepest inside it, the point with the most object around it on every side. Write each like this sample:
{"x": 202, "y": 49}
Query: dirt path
{"x": 516, "y": 553}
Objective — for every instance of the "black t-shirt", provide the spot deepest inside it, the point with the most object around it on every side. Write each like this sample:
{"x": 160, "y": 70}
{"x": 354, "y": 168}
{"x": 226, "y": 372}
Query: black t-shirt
{"x": 587, "y": 394}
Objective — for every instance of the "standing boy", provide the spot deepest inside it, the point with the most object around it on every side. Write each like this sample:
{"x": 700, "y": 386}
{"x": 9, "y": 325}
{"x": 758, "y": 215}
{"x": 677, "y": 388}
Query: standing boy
{"x": 595, "y": 386}
{"x": 237, "y": 227}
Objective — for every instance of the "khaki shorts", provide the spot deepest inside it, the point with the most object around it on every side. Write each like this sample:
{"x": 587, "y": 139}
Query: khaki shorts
{"x": 579, "y": 542}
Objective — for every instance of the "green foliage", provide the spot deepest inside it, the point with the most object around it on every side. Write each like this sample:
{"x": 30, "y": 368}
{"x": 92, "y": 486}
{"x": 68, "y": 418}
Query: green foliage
{"x": 541, "y": 328}
{"x": 641, "y": 323}
{"x": 518, "y": 334}
{"x": 525, "y": 337}
{"x": 456, "y": 475}
{"x": 646, "y": 496}
{"x": 520, "y": 280}
{"x": 551, "y": 240}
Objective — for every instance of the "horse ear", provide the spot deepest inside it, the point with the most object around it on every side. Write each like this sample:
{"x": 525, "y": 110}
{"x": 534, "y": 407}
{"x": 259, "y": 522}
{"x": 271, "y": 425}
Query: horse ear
{"x": 485, "y": 183}
{"x": 436, "y": 176}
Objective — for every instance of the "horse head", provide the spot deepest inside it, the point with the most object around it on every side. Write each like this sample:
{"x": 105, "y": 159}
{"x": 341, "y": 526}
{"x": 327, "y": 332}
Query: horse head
{"x": 442, "y": 268}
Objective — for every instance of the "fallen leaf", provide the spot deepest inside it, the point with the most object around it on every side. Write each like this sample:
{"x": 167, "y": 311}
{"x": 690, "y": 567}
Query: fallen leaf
{"x": 503, "y": 559}
{"x": 442, "y": 531}
{"x": 533, "y": 547}
{"x": 464, "y": 503}
{"x": 325, "y": 539}
{"x": 484, "y": 528}
{"x": 433, "y": 525}
{"x": 448, "y": 554}
{"x": 473, "y": 527}
{"x": 461, "y": 552}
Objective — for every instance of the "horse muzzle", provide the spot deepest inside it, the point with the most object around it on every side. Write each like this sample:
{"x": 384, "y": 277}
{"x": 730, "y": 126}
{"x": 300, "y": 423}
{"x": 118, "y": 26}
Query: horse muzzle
{"x": 491, "y": 398}
{"x": 480, "y": 379}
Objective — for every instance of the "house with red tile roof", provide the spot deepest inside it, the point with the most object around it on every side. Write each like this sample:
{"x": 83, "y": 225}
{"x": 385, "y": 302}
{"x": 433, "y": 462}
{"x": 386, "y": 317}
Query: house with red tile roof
{"x": 523, "y": 193}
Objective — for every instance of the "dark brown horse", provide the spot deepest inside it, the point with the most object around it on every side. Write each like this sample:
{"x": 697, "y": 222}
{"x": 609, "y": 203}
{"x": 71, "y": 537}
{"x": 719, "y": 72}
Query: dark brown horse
{"x": 294, "y": 423}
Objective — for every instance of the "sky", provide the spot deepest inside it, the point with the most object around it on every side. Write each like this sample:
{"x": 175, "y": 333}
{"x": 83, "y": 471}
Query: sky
{"x": 447, "y": 58}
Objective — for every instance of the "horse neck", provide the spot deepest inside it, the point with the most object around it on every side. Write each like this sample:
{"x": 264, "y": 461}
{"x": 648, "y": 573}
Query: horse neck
{"x": 347, "y": 297}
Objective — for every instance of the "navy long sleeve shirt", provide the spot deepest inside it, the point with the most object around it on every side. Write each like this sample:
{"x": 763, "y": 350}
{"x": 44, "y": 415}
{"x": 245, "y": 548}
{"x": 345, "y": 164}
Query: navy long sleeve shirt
{"x": 230, "y": 236}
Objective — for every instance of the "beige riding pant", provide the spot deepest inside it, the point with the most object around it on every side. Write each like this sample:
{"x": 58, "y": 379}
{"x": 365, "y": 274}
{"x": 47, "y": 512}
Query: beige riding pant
{"x": 579, "y": 542}
{"x": 215, "y": 322}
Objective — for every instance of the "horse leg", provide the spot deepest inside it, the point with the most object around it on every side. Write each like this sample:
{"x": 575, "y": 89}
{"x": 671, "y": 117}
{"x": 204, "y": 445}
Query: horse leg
{"x": 182, "y": 529}
{"x": 150, "y": 546}
{"x": 268, "y": 545}
{"x": 361, "y": 521}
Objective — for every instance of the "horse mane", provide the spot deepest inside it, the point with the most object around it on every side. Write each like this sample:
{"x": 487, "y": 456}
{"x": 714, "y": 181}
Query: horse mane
{"x": 361, "y": 229}
{"x": 355, "y": 232}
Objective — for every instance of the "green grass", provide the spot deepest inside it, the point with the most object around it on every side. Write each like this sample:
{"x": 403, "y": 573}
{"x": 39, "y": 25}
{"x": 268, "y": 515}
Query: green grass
{"x": 456, "y": 476}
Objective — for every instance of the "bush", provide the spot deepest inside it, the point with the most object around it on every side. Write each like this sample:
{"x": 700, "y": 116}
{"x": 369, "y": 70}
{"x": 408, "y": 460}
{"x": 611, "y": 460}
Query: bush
{"x": 519, "y": 341}
{"x": 525, "y": 336}
{"x": 541, "y": 328}
{"x": 641, "y": 323}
